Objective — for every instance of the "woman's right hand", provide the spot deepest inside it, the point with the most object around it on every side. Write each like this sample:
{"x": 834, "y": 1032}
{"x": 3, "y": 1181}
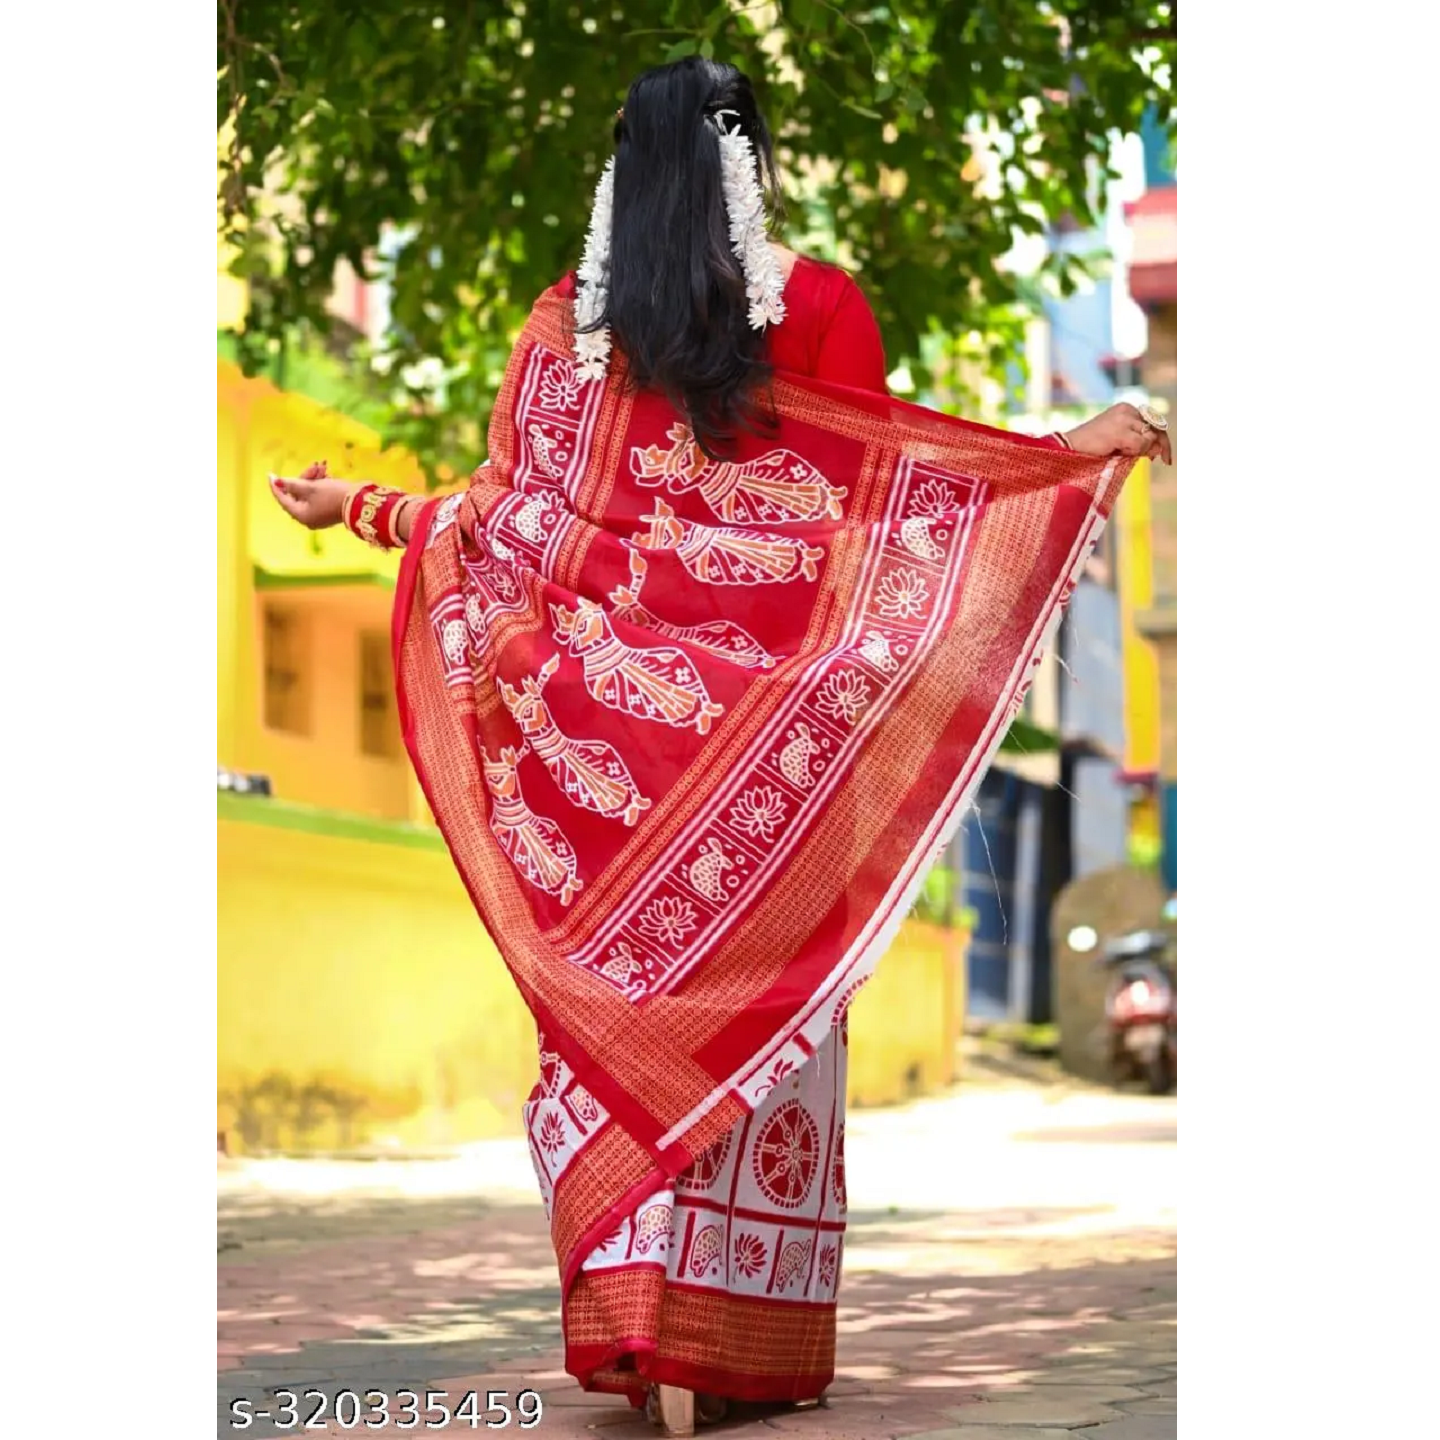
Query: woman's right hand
{"x": 1120, "y": 431}
{"x": 314, "y": 500}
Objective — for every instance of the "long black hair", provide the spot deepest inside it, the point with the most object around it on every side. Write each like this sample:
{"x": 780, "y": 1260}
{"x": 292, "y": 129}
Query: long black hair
{"x": 677, "y": 307}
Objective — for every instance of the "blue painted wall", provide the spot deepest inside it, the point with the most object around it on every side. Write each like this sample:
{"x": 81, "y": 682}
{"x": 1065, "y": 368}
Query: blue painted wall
{"x": 1169, "y": 836}
{"x": 1092, "y": 718}
{"x": 1013, "y": 856}
{"x": 1092, "y": 704}
{"x": 1081, "y": 338}
{"x": 1159, "y": 153}
{"x": 1082, "y": 331}
{"x": 988, "y": 880}
{"x": 1099, "y": 818}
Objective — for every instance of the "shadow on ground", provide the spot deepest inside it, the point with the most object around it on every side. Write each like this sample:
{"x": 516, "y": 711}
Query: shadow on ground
{"x": 938, "y": 1308}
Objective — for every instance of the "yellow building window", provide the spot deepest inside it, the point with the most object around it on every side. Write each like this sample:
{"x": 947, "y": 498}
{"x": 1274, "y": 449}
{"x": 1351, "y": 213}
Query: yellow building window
{"x": 379, "y": 722}
{"x": 287, "y": 671}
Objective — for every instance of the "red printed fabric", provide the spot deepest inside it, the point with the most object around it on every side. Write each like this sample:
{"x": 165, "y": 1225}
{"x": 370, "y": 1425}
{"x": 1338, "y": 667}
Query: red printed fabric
{"x": 693, "y": 730}
{"x": 723, "y": 1280}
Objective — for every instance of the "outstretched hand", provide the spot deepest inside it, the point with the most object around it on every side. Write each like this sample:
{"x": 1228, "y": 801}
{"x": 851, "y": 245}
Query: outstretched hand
{"x": 1120, "y": 431}
{"x": 313, "y": 499}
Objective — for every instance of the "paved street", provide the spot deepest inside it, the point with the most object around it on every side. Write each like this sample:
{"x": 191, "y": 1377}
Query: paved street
{"x": 1009, "y": 1273}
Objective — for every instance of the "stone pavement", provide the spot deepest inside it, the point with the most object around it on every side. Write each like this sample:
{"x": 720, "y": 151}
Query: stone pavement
{"x": 1009, "y": 1273}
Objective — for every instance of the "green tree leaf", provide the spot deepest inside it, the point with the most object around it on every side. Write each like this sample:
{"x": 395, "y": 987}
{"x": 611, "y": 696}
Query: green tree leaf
{"x": 477, "y": 133}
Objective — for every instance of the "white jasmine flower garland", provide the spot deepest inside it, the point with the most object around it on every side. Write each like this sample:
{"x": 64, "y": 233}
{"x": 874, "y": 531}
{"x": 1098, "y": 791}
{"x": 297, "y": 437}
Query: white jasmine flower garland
{"x": 592, "y": 348}
{"x": 745, "y": 212}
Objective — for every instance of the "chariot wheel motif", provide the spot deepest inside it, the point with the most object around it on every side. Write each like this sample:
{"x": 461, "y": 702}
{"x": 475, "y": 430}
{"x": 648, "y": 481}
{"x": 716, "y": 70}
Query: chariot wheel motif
{"x": 786, "y": 1155}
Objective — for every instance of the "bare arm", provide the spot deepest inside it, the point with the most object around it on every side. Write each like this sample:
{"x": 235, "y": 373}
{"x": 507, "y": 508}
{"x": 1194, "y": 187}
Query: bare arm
{"x": 1121, "y": 430}
{"x": 405, "y": 517}
{"x": 314, "y": 500}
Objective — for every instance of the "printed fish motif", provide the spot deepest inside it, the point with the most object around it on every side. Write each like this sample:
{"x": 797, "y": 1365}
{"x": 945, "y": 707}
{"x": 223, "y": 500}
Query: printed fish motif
{"x": 542, "y": 448}
{"x": 622, "y": 963}
{"x": 794, "y": 1261}
{"x": 532, "y": 516}
{"x": 795, "y": 757}
{"x": 706, "y": 1249}
{"x": 707, "y": 873}
{"x": 876, "y": 649}
{"x": 915, "y": 536}
{"x": 654, "y": 1225}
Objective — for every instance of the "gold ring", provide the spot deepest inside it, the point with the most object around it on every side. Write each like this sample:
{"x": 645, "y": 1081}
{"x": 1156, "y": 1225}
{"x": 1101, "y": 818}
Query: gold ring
{"x": 1152, "y": 420}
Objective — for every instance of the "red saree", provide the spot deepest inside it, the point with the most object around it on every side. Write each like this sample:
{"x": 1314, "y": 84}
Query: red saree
{"x": 692, "y": 732}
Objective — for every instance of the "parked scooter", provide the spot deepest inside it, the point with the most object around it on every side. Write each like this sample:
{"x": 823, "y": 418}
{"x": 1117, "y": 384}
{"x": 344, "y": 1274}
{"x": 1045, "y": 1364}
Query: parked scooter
{"x": 1140, "y": 1009}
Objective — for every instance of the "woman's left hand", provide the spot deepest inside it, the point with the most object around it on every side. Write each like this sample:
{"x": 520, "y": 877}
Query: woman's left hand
{"x": 313, "y": 499}
{"x": 1120, "y": 431}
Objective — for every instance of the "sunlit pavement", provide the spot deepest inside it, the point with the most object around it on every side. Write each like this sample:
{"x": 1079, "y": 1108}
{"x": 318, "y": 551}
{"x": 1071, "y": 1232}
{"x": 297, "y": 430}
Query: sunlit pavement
{"x": 1009, "y": 1272}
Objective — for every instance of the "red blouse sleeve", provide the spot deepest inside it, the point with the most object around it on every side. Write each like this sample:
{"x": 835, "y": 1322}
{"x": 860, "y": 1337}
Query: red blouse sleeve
{"x": 851, "y": 351}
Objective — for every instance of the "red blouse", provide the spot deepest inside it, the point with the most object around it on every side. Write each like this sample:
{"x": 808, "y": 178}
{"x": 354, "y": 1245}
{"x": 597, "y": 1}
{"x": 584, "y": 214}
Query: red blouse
{"x": 829, "y": 330}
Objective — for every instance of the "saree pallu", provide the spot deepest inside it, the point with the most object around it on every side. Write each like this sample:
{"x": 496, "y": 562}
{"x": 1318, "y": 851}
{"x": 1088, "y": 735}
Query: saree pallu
{"x": 693, "y": 731}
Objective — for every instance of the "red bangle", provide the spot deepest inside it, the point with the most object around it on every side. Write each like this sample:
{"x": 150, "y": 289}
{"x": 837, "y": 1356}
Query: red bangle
{"x": 370, "y": 514}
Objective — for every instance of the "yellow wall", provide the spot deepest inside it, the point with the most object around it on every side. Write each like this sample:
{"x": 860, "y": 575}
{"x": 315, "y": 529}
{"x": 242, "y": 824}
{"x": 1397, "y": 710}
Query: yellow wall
{"x": 356, "y": 971}
{"x": 286, "y": 433}
{"x": 905, "y": 1025}
{"x": 1137, "y": 655}
{"x": 363, "y": 1006}
{"x": 340, "y": 586}
{"x": 234, "y": 590}
{"x": 327, "y": 767}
